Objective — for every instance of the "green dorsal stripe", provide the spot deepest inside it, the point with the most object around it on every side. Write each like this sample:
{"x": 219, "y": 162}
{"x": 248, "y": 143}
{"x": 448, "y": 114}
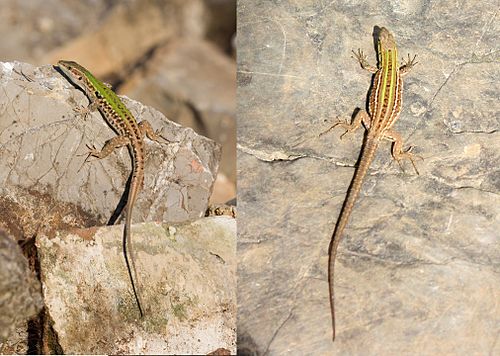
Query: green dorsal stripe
{"x": 108, "y": 95}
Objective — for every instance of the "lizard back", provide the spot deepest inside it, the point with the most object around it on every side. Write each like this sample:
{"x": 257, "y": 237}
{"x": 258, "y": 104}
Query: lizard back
{"x": 386, "y": 92}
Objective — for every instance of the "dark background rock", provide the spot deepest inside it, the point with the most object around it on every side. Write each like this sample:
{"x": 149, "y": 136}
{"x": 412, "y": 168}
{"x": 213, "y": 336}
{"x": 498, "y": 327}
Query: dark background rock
{"x": 20, "y": 296}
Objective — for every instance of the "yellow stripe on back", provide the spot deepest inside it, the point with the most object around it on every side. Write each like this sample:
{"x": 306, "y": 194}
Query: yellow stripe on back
{"x": 392, "y": 88}
{"x": 385, "y": 70}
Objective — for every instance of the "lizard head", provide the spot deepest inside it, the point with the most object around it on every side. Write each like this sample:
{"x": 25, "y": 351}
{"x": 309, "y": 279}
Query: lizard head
{"x": 74, "y": 72}
{"x": 386, "y": 44}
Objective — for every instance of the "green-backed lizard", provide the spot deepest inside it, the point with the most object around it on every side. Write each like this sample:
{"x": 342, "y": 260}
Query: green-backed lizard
{"x": 130, "y": 133}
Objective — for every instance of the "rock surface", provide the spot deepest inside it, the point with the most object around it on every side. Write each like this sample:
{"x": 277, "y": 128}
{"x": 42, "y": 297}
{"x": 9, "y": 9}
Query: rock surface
{"x": 418, "y": 268}
{"x": 186, "y": 277}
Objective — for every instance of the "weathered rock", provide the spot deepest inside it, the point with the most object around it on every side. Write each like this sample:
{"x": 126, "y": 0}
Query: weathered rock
{"x": 418, "y": 268}
{"x": 186, "y": 277}
{"x": 20, "y": 295}
{"x": 43, "y": 146}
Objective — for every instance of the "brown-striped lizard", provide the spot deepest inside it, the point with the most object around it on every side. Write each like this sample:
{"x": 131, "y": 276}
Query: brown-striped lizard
{"x": 384, "y": 107}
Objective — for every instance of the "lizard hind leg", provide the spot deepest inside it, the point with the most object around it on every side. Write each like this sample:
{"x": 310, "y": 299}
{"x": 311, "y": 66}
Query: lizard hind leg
{"x": 148, "y": 131}
{"x": 397, "y": 150}
{"x": 109, "y": 146}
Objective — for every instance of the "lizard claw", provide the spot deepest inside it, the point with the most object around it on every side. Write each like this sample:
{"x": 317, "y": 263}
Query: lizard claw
{"x": 410, "y": 62}
{"x": 347, "y": 128}
{"x": 345, "y": 124}
{"x": 410, "y": 156}
{"x": 92, "y": 152}
{"x": 337, "y": 123}
{"x": 158, "y": 133}
{"x": 359, "y": 55}
{"x": 86, "y": 110}
{"x": 82, "y": 111}
{"x": 328, "y": 130}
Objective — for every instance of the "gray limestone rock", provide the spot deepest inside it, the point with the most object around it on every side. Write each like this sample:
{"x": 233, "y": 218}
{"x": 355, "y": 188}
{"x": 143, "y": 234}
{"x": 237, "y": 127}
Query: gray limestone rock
{"x": 186, "y": 274}
{"x": 43, "y": 149}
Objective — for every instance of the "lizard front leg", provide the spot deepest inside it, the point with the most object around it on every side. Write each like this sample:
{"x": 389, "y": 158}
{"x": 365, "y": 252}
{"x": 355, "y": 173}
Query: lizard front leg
{"x": 407, "y": 65}
{"x": 147, "y": 130}
{"x": 360, "y": 117}
{"x": 85, "y": 111}
{"x": 360, "y": 56}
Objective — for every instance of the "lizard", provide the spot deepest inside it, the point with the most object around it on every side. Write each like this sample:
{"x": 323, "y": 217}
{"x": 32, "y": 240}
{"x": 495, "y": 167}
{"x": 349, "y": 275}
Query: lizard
{"x": 384, "y": 107}
{"x": 129, "y": 133}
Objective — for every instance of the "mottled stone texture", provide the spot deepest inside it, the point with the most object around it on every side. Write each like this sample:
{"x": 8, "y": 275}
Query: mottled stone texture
{"x": 418, "y": 268}
{"x": 186, "y": 277}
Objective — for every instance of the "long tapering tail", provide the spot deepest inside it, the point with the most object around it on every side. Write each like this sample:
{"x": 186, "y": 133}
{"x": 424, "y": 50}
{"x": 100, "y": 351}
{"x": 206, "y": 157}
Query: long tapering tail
{"x": 367, "y": 154}
{"x": 126, "y": 237}
{"x": 134, "y": 187}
